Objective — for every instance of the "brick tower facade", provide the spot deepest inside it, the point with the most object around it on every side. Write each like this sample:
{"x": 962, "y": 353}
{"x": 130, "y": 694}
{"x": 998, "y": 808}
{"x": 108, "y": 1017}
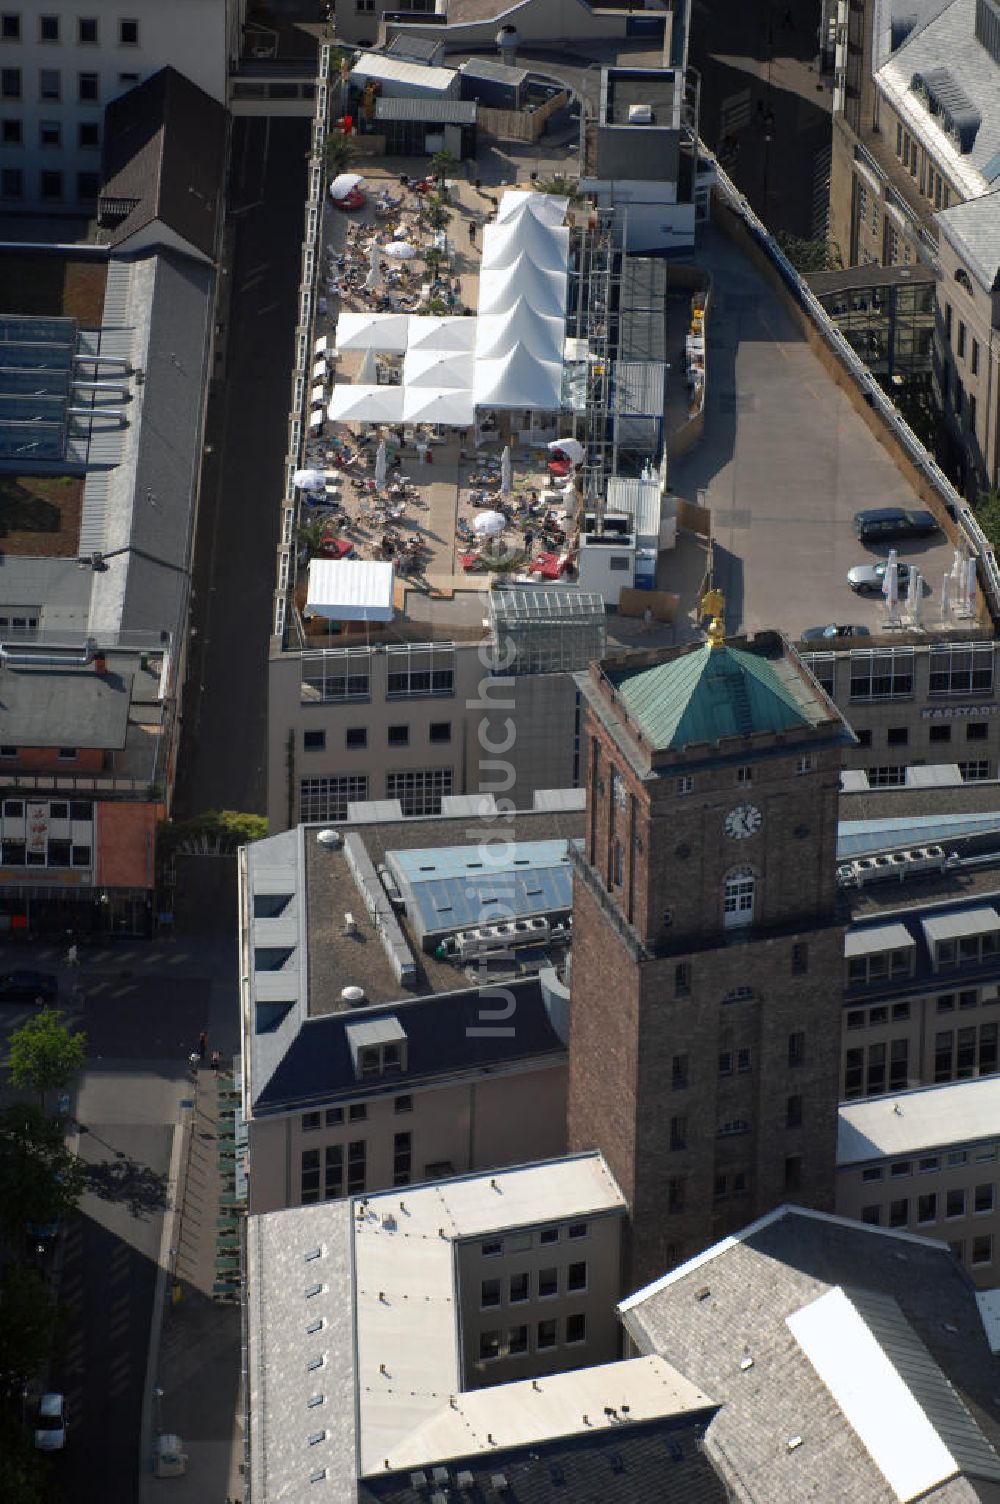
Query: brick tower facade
{"x": 707, "y": 946}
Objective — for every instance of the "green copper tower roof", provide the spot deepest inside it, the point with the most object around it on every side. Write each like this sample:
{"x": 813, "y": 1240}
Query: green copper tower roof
{"x": 713, "y": 693}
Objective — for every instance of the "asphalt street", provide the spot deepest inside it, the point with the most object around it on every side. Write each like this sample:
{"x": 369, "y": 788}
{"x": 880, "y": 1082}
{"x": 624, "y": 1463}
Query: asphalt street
{"x": 225, "y": 697}
{"x": 142, "y": 1007}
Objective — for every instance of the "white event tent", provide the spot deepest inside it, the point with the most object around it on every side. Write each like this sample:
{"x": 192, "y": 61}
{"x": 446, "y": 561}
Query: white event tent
{"x": 511, "y": 356}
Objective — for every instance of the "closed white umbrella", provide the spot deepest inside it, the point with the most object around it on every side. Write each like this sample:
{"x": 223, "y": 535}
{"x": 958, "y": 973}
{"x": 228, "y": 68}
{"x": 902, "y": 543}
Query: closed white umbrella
{"x": 506, "y": 479}
{"x": 945, "y": 597}
{"x": 401, "y": 250}
{"x": 890, "y": 584}
{"x": 309, "y": 480}
{"x": 914, "y": 594}
{"x": 381, "y": 462}
{"x": 374, "y": 276}
{"x": 368, "y": 369}
{"x": 488, "y": 524}
{"x": 571, "y": 448}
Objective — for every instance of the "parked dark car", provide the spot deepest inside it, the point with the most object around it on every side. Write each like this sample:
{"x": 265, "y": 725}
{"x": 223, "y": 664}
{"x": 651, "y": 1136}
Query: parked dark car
{"x": 835, "y": 629}
{"x": 28, "y": 987}
{"x": 882, "y": 525}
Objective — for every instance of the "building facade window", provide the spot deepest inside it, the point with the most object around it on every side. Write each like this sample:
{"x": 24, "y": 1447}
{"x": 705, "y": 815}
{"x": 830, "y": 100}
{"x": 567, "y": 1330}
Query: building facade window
{"x": 738, "y": 898}
{"x": 402, "y": 1158}
{"x": 420, "y": 791}
{"x": 328, "y": 798}
{"x": 357, "y": 1156}
{"x": 963, "y": 669}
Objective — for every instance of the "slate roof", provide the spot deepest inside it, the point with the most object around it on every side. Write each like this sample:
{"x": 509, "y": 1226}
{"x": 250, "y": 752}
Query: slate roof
{"x": 280, "y": 1345}
{"x": 164, "y": 153}
{"x": 442, "y": 1038}
{"x": 658, "y": 1462}
{"x": 711, "y": 693}
{"x": 973, "y": 229}
{"x": 945, "y": 36}
{"x": 733, "y": 1302}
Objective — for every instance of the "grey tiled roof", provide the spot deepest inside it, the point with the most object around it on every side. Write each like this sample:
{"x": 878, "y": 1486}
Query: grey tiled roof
{"x": 280, "y": 1348}
{"x": 733, "y": 1304}
{"x": 656, "y": 1462}
{"x": 164, "y": 152}
{"x": 946, "y": 37}
{"x": 442, "y": 1040}
{"x": 973, "y": 229}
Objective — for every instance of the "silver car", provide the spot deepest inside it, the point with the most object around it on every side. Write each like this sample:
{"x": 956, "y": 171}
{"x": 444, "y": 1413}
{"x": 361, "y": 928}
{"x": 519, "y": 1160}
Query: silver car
{"x": 867, "y": 579}
{"x": 50, "y": 1423}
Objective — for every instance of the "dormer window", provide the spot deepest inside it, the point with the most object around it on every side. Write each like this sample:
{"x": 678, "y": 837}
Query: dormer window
{"x": 378, "y": 1047}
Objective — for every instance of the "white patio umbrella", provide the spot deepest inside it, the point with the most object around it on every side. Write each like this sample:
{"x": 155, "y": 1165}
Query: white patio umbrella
{"x": 890, "y": 584}
{"x": 506, "y": 478}
{"x": 401, "y": 250}
{"x": 945, "y": 596}
{"x": 368, "y": 369}
{"x": 381, "y": 462}
{"x": 571, "y": 448}
{"x": 488, "y": 524}
{"x": 970, "y": 585}
{"x": 309, "y": 480}
{"x": 914, "y": 594}
{"x": 343, "y": 184}
{"x": 374, "y": 276}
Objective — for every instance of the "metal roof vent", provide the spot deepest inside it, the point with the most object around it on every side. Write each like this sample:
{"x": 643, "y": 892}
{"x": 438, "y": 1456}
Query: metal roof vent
{"x": 640, "y": 114}
{"x": 353, "y": 996}
{"x": 329, "y": 838}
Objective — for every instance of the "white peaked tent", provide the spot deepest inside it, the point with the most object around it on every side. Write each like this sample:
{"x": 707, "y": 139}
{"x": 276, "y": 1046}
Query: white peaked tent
{"x": 440, "y": 368}
{"x": 451, "y": 406}
{"x": 544, "y": 291}
{"x": 550, "y": 208}
{"x": 520, "y": 325}
{"x": 443, "y": 333}
{"x": 366, "y": 404}
{"x": 518, "y": 379}
{"x": 373, "y": 331}
{"x": 547, "y": 245}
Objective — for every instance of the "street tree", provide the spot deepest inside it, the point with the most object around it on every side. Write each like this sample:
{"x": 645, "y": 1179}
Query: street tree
{"x": 443, "y": 162}
{"x": 45, "y": 1055}
{"x": 340, "y": 153}
{"x": 24, "y": 1477}
{"x": 27, "y": 1327}
{"x": 40, "y": 1179}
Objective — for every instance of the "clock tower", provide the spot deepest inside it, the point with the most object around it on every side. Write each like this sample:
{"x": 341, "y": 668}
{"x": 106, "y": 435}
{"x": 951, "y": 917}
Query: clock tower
{"x": 707, "y": 943}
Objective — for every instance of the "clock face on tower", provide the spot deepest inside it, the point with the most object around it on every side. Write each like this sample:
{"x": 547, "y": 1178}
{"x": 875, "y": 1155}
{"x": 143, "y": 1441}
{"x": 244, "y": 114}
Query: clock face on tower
{"x": 745, "y": 820}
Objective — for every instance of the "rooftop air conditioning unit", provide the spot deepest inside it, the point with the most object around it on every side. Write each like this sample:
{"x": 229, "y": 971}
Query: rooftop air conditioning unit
{"x": 640, "y": 114}
{"x": 352, "y": 996}
{"x": 329, "y": 838}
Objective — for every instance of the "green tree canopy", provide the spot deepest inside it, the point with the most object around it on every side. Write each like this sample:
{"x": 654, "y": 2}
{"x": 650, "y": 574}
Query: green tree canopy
{"x": 40, "y": 1179}
{"x": 987, "y": 511}
{"x": 27, "y": 1327}
{"x": 44, "y": 1054}
{"x": 24, "y": 1476}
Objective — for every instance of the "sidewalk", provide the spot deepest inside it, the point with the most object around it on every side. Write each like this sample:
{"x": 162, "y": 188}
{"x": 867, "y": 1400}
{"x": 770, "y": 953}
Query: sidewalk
{"x": 193, "y": 1390}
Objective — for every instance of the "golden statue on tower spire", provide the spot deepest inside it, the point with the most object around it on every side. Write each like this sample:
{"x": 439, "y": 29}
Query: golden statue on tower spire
{"x": 713, "y": 604}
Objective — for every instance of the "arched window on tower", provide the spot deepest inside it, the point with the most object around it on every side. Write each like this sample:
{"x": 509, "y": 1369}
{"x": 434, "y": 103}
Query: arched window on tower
{"x": 738, "y": 897}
